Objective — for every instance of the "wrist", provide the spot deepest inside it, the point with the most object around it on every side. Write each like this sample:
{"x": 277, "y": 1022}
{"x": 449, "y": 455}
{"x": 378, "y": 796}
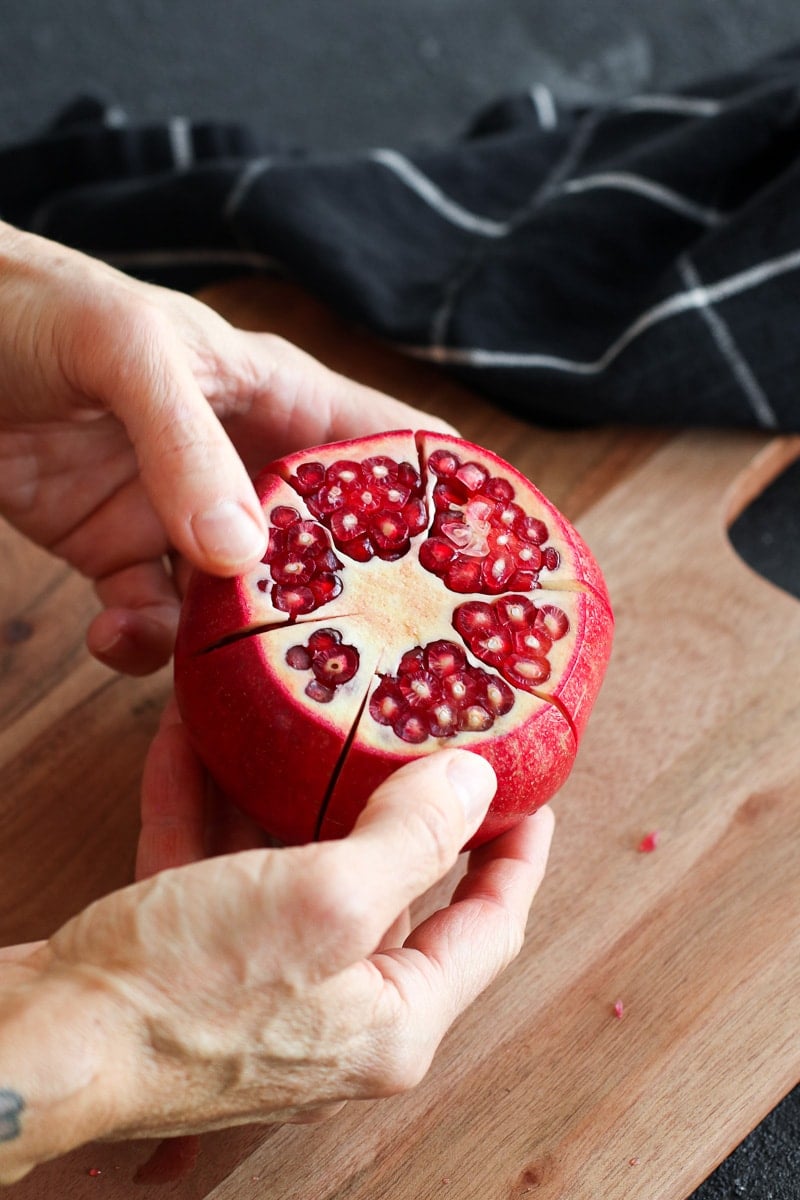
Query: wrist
{"x": 64, "y": 1043}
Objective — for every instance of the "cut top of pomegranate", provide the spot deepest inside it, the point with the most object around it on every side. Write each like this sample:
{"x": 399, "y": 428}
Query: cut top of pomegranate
{"x": 416, "y": 591}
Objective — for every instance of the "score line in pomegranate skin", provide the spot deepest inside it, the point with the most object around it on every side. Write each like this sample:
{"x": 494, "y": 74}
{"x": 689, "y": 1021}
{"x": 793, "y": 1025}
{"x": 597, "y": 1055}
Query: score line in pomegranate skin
{"x": 417, "y": 592}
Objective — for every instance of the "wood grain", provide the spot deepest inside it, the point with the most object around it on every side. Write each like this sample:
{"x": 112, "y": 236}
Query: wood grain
{"x": 539, "y": 1090}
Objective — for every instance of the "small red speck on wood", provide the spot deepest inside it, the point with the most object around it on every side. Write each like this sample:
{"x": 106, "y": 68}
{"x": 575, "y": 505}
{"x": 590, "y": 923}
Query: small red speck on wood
{"x": 633, "y": 1162}
{"x": 94, "y": 1172}
{"x": 649, "y": 842}
{"x": 619, "y": 1010}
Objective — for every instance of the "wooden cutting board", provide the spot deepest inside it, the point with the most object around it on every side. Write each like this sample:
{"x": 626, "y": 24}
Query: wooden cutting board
{"x": 540, "y": 1089}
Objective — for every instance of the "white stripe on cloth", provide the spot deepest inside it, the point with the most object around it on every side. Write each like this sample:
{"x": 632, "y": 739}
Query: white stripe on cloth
{"x": 180, "y": 137}
{"x": 689, "y": 106}
{"x": 724, "y": 340}
{"x": 542, "y": 101}
{"x": 242, "y": 184}
{"x": 648, "y": 189}
{"x": 435, "y": 198}
{"x": 682, "y": 302}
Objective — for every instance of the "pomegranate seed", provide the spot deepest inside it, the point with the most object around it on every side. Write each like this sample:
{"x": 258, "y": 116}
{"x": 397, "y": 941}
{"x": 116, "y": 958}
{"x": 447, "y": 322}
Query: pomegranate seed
{"x": 327, "y": 562}
{"x": 409, "y": 476}
{"x": 366, "y": 500}
{"x": 475, "y": 719}
{"x": 298, "y": 657}
{"x": 328, "y": 499}
{"x": 619, "y": 1009}
{"x": 308, "y": 477}
{"x": 282, "y": 516}
{"x": 511, "y": 514}
{"x": 412, "y": 660}
{"x": 293, "y": 599}
{"x": 411, "y": 727}
{"x": 531, "y": 529}
{"x": 276, "y": 544}
{"x": 415, "y": 516}
{"x": 360, "y": 549}
{"x": 554, "y": 620}
{"x": 469, "y": 539}
{"x": 498, "y": 489}
{"x": 444, "y": 658}
{"x": 324, "y": 639}
{"x": 474, "y": 617}
{"x": 288, "y": 568}
{"x": 380, "y": 468}
{"x": 463, "y": 575}
{"x": 343, "y": 472}
{"x": 461, "y": 687}
{"x": 524, "y": 581}
{"x": 530, "y": 558}
{"x": 336, "y": 664}
{"x": 420, "y": 688}
{"x": 532, "y": 642}
{"x": 386, "y": 703}
{"x": 324, "y": 589}
{"x": 496, "y": 572}
{"x": 263, "y": 584}
{"x": 443, "y": 721}
{"x": 517, "y": 611}
{"x": 306, "y": 537}
{"x": 442, "y": 462}
{"x": 434, "y": 555}
{"x": 472, "y": 475}
{"x": 346, "y": 525}
{"x": 447, "y": 494}
{"x": 526, "y": 671}
{"x": 319, "y": 691}
{"x": 388, "y": 531}
{"x": 492, "y": 647}
{"x": 551, "y": 558}
{"x": 649, "y": 842}
{"x": 499, "y": 697}
{"x": 479, "y": 509}
{"x": 394, "y": 497}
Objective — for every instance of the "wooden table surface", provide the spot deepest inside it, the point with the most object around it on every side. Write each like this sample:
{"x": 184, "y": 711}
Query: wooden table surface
{"x": 539, "y": 1089}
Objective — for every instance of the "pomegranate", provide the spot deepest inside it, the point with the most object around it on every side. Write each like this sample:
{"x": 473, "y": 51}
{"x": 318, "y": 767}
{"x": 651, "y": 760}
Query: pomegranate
{"x": 417, "y": 592}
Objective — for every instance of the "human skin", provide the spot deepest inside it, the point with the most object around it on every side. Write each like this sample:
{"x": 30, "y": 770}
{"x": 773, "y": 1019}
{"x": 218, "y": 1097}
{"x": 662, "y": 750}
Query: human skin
{"x": 130, "y": 417}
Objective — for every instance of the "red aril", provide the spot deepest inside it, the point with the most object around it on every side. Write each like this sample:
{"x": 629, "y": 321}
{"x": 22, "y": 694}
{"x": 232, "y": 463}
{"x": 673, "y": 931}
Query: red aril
{"x": 417, "y": 593}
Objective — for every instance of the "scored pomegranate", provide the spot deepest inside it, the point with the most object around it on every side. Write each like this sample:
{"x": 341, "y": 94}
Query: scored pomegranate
{"x": 417, "y": 592}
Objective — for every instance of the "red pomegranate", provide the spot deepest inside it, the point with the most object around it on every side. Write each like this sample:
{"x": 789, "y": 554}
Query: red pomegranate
{"x": 417, "y": 592}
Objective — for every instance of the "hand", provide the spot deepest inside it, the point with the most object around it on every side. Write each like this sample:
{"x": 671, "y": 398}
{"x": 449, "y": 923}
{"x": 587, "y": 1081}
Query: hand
{"x": 261, "y": 985}
{"x": 122, "y": 407}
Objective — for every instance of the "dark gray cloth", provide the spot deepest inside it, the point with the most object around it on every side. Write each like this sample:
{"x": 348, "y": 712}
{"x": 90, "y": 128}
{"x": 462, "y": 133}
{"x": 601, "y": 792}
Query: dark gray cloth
{"x": 634, "y": 262}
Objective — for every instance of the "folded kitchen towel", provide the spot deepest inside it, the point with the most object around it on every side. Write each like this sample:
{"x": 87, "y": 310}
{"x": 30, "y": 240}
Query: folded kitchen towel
{"x": 631, "y": 261}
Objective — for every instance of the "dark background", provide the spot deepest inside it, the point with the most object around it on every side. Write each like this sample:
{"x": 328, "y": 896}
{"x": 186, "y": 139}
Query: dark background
{"x": 345, "y": 74}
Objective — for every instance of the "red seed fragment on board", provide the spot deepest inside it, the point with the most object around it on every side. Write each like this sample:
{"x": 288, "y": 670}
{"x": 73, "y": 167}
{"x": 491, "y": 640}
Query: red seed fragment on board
{"x": 94, "y": 1172}
{"x": 633, "y": 1162}
{"x": 619, "y": 1010}
{"x": 649, "y": 842}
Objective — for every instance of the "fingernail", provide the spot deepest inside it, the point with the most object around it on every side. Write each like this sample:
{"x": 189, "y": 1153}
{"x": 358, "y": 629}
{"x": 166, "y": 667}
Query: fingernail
{"x": 228, "y": 533}
{"x": 474, "y": 782}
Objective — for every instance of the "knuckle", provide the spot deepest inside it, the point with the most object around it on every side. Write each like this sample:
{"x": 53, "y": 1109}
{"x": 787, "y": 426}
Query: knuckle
{"x": 333, "y": 902}
{"x": 402, "y": 1065}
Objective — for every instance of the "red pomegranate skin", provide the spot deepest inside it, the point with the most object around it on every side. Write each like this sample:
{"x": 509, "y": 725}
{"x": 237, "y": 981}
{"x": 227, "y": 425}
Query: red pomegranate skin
{"x": 418, "y": 593}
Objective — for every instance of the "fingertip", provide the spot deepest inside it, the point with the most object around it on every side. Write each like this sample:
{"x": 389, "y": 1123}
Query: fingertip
{"x": 474, "y": 782}
{"x": 132, "y": 642}
{"x": 230, "y": 537}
